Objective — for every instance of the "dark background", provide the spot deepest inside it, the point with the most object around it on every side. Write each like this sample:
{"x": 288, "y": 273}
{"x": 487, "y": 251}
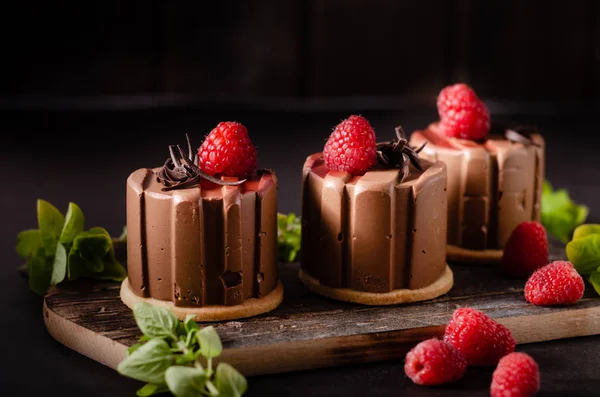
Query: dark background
{"x": 90, "y": 91}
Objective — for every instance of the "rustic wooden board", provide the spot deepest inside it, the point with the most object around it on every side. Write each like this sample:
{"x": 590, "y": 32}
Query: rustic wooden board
{"x": 308, "y": 331}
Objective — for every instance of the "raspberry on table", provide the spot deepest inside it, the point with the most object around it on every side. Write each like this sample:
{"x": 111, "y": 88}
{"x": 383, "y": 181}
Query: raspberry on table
{"x": 517, "y": 375}
{"x": 434, "y": 362}
{"x": 462, "y": 114}
{"x": 557, "y": 283}
{"x": 481, "y": 339}
{"x": 351, "y": 147}
{"x": 228, "y": 151}
{"x": 526, "y": 250}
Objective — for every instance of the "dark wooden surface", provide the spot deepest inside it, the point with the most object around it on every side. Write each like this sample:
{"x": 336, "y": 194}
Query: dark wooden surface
{"x": 507, "y": 49}
{"x": 82, "y": 156}
{"x": 307, "y": 331}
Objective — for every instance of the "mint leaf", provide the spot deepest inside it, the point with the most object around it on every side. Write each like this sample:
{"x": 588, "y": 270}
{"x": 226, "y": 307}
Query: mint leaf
{"x": 92, "y": 245}
{"x": 40, "y": 272}
{"x": 73, "y": 224}
{"x": 586, "y": 230}
{"x": 229, "y": 381}
{"x": 133, "y": 348}
{"x": 59, "y": 268}
{"x": 50, "y": 222}
{"x": 189, "y": 323}
{"x": 288, "y": 237}
{"x": 148, "y": 363}
{"x": 210, "y": 343}
{"x": 96, "y": 230}
{"x": 560, "y": 215}
{"x": 150, "y": 389}
{"x": 155, "y": 321}
{"x": 584, "y": 253}
{"x": 80, "y": 267}
{"x": 186, "y": 381}
{"x": 28, "y": 242}
{"x": 594, "y": 279}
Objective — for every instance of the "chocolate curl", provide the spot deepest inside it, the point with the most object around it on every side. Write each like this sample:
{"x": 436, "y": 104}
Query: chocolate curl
{"x": 398, "y": 154}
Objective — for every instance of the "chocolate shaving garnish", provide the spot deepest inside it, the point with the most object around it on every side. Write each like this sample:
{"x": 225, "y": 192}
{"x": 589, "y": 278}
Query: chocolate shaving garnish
{"x": 181, "y": 171}
{"x": 521, "y": 135}
{"x": 397, "y": 153}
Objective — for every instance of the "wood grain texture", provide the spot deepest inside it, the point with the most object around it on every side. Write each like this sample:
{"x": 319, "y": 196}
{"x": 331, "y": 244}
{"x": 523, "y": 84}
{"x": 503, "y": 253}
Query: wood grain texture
{"x": 307, "y": 331}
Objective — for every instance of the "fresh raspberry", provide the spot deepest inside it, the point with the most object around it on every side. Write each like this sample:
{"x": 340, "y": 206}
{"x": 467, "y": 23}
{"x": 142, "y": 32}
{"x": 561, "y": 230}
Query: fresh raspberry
{"x": 433, "y": 362}
{"x": 557, "y": 283}
{"x": 526, "y": 250}
{"x": 517, "y": 375}
{"x": 482, "y": 340}
{"x": 228, "y": 151}
{"x": 351, "y": 147}
{"x": 462, "y": 114}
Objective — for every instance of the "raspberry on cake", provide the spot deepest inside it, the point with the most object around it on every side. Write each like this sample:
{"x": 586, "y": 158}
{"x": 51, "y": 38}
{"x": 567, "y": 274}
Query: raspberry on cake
{"x": 495, "y": 174}
{"x": 228, "y": 151}
{"x": 374, "y": 220}
{"x": 207, "y": 249}
{"x": 351, "y": 146}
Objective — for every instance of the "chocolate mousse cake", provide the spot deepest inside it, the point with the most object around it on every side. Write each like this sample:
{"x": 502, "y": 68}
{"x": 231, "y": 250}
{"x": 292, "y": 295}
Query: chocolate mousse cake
{"x": 374, "y": 220}
{"x": 495, "y": 174}
{"x": 203, "y": 244}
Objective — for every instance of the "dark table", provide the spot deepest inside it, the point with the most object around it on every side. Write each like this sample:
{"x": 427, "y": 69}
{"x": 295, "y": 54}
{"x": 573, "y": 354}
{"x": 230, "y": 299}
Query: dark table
{"x": 85, "y": 156}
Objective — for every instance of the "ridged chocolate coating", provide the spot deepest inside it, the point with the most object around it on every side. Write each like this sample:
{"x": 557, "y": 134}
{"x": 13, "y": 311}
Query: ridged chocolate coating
{"x": 492, "y": 187}
{"x": 198, "y": 247}
{"x": 372, "y": 233}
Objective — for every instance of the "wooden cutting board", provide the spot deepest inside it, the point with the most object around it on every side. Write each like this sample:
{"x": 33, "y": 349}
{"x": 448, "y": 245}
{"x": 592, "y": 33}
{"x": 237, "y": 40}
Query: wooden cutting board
{"x": 307, "y": 331}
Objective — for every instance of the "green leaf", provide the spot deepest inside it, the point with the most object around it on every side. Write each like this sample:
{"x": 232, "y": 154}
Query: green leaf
{"x": 148, "y": 363}
{"x": 99, "y": 231}
{"x": 50, "y": 222}
{"x": 594, "y": 279}
{"x": 584, "y": 253}
{"x": 210, "y": 343}
{"x": 155, "y": 321}
{"x": 186, "y": 381}
{"x": 73, "y": 224}
{"x": 133, "y": 348}
{"x": 229, "y": 381}
{"x": 40, "y": 272}
{"x": 59, "y": 268}
{"x": 80, "y": 267}
{"x": 560, "y": 215}
{"x": 586, "y": 230}
{"x": 150, "y": 389}
{"x": 92, "y": 245}
{"x": 189, "y": 323}
{"x": 123, "y": 236}
{"x": 28, "y": 242}
{"x": 288, "y": 237}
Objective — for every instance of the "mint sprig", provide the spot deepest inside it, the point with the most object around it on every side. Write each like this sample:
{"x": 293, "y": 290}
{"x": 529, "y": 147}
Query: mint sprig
{"x": 61, "y": 250}
{"x": 289, "y": 229}
{"x": 177, "y": 357}
{"x": 584, "y": 253}
{"x": 560, "y": 215}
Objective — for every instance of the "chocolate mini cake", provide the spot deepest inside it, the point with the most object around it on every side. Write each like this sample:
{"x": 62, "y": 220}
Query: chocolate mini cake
{"x": 379, "y": 237}
{"x": 494, "y": 183}
{"x": 200, "y": 245}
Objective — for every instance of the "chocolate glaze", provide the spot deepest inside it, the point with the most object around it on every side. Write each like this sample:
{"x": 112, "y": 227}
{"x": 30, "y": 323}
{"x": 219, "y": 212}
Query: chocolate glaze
{"x": 212, "y": 245}
{"x": 492, "y": 186}
{"x": 374, "y": 233}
